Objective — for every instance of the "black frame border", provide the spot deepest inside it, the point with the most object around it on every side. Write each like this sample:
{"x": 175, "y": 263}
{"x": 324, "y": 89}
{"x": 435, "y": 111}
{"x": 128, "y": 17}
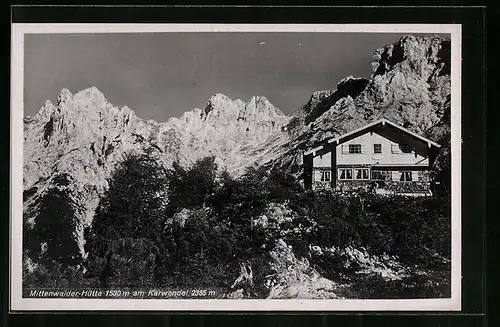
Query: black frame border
{"x": 473, "y": 21}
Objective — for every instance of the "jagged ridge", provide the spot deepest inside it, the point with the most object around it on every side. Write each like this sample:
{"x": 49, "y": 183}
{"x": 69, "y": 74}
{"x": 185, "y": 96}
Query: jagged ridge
{"x": 83, "y": 136}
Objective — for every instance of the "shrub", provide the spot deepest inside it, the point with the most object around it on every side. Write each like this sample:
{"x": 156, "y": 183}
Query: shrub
{"x": 124, "y": 262}
{"x": 294, "y": 123}
{"x": 420, "y": 227}
{"x": 207, "y": 251}
{"x": 191, "y": 187}
{"x": 52, "y": 276}
{"x": 283, "y": 186}
{"x": 217, "y": 233}
{"x": 413, "y": 228}
{"x": 133, "y": 205}
{"x": 52, "y": 240}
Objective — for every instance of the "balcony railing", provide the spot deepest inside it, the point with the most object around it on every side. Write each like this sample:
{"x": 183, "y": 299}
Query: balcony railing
{"x": 380, "y": 187}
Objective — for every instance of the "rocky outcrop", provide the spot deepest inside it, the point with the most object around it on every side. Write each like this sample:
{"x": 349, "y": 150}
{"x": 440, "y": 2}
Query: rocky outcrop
{"x": 348, "y": 87}
{"x": 427, "y": 56}
{"x": 296, "y": 279}
{"x": 359, "y": 260}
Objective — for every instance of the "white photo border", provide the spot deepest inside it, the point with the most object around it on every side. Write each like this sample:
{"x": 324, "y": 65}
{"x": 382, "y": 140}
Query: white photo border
{"x": 18, "y": 303}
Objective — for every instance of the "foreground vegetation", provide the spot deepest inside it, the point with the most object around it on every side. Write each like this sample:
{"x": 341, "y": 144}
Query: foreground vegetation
{"x": 198, "y": 226}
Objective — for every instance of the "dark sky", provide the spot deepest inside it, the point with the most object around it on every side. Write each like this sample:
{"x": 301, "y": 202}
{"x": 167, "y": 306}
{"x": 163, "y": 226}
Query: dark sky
{"x": 160, "y": 75}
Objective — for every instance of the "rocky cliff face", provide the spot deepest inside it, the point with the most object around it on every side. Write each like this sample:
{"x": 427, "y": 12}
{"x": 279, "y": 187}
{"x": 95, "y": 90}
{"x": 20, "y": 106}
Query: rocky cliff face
{"x": 410, "y": 85}
{"x": 224, "y": 128}
{"x": 83, "y": 136}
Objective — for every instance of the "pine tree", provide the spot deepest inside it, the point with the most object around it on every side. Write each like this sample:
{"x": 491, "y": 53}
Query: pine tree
{"x": 191, "y": 187}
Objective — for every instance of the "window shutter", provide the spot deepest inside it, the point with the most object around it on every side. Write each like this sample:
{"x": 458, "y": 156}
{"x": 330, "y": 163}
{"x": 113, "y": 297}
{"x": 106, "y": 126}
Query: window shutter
{"x": 415, "y": 176}
{"x": 363, "y": 148}
{"x": 345, "y": 149}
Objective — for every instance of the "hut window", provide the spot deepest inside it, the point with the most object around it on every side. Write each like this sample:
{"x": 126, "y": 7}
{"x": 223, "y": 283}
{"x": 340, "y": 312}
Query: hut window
{"x": 362, "y": 173}
{"x": 406, "y": 176}
{"x": 325, "y": 176}
{"x": 345, "y": 173}
{"x": 354, "y": 148}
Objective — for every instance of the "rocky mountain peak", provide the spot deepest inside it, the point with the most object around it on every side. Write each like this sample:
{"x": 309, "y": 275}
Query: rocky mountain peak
{"x": 260, "y": 102}
{"x": 89, "y": 99}
{"x": 421, "y": 54}
{"x": 260, "y": 108}
{"x": 90, "y": 94}
{"x": 219, "y": 97}
{"x": 44, "y": 113}
{"x": 259, "y": 99}
{"x": 89, "y": 106}
{"x": 257, "y": 108}
{"x": 64, "y": 96}
{"x": 219, "y": 101}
